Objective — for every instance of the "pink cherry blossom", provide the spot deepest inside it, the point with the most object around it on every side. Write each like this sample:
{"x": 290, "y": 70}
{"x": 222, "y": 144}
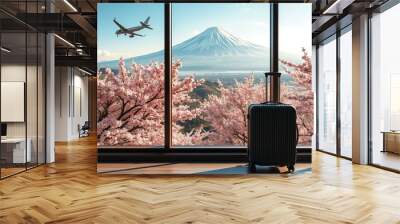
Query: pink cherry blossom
{"x": 301, "y": 96}
{"x": 131, "y": 106}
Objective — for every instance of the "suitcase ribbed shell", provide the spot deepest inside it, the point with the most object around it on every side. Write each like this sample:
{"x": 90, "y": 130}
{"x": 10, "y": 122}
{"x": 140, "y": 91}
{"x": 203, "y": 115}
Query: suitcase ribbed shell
{"x": 272, "y": 134}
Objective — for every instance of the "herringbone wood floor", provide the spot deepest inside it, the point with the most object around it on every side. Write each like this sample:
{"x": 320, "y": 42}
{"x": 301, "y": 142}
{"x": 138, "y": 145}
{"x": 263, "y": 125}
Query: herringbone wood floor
{"x": 70, "y": 191}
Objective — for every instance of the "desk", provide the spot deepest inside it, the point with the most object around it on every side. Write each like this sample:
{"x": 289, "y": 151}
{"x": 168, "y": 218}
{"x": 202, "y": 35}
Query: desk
{"x": 15, "y": 148}
{"x": 391, "y": 141}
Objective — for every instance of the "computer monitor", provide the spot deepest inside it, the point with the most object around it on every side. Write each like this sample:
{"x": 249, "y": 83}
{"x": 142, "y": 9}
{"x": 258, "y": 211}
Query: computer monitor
{"x": 3, "y": 130}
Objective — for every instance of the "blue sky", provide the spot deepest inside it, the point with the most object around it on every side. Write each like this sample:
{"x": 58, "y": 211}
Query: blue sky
{"x": 249, "y": 21}
{"x": 128, "y": 14}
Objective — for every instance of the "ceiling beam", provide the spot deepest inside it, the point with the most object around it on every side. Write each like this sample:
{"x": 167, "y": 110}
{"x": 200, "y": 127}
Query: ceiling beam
{"x": 84, "y": 24}
{"x": 77, "y": 61}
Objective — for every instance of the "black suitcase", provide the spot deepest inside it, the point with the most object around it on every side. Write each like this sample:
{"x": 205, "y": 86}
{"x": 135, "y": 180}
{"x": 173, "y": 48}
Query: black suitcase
{"x": 272, "y": 130}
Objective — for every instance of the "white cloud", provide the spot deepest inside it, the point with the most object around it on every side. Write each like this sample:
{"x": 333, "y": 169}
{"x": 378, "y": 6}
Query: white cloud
{"x": 104, "y": 55}
{"x": 103, "y": 52}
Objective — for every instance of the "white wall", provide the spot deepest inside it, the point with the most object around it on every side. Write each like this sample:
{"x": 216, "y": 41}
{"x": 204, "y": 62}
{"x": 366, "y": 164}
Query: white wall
{"x": 15, "y": 73}
{"x": 12, "y": 73}
{"x": 80, "y": 110}
{"x": 62, "y": 81}
{"x": 70, "y": 83}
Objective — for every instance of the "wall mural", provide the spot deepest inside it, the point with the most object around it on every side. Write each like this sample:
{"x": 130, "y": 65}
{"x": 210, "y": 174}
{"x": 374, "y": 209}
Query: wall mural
{"x": 217, "y": 71}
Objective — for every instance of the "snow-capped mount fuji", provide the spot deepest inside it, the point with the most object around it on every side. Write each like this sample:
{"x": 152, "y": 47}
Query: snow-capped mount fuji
{"x": 213, "y": 50}
{"x": 215, "y": 41}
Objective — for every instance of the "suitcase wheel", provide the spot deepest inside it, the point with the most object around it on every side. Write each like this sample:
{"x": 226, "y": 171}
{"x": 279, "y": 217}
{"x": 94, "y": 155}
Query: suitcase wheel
{"x": 290, "y": 168}
{"x": 252, "y": 167}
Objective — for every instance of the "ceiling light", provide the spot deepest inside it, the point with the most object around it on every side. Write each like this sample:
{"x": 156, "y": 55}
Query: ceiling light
{"x": 70, "y": 5}
{"x": 337, "y": 7}
{"x": 64, "y": 40}
{"x": 84, "y": 71}
{"x": 331, "y": 7}
{"x": 79, "y": 51}
{"x": 5, "y": 50}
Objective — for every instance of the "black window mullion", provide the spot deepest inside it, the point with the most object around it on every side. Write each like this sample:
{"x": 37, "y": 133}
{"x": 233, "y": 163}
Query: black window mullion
{"x": 369, "y": 97}
{"x": 167, "y": 77}
{"x": 274, "y": 37}
{"x": 316, "y": 99}
{"x": 273, "y": 78}
{"x": 37, "y": 89}
{"x": 338, "y": 74}
{"x": 1, "y": 53}
{"x": 26, "y": 87}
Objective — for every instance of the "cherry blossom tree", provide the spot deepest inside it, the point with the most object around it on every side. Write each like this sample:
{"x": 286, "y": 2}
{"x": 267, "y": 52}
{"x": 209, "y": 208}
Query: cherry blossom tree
{"x": 130, "y": 107}
{"x": 227, "y": 112}
{"x": 301, "y": 95}
{"x": 182, "y": 109}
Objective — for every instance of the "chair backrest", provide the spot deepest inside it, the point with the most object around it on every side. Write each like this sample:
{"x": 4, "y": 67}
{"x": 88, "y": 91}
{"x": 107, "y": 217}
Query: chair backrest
{"x": 86, "y": 125}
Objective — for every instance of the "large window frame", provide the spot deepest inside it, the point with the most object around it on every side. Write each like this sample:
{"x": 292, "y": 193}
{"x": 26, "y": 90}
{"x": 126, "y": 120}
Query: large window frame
{"x": 169, "y": 153}
{"x": 330, "y": 40}
{"x": 335, "y": 36}
{"x": 380, "y": 9}
{"x": 346, "y": 21}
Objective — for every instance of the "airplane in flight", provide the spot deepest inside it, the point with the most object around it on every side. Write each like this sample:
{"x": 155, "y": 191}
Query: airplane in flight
{"x": 132, "y": 31}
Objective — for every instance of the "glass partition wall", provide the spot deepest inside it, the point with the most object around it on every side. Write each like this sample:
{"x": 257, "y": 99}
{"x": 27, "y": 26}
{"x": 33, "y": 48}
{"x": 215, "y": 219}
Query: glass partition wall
{"x": 14, "y": 153}
{"x": 22, "y": 88}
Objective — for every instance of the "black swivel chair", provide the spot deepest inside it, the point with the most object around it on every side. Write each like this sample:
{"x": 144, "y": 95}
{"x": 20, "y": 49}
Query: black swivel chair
{"x": 84, "y": 130}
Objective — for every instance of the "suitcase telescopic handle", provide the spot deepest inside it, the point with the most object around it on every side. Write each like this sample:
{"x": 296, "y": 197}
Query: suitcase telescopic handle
{"x": 272, "y": 86}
